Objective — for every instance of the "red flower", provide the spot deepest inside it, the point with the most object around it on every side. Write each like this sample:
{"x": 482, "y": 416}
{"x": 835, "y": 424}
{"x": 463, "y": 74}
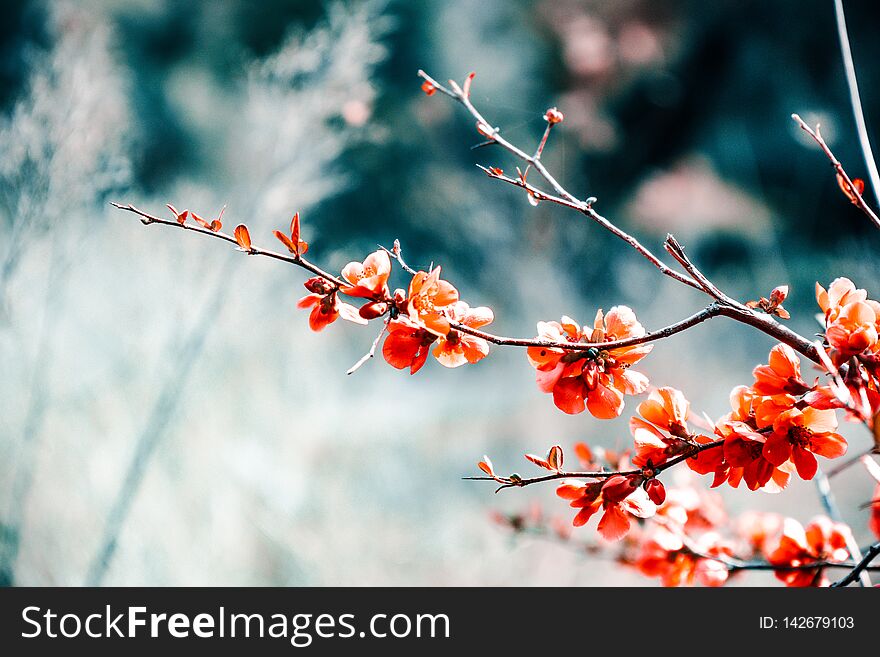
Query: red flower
{"x": 822, "y": 540}
{"x": 428, "y": 299}
{"x": 758, "y": 529}
{"x": 744, "y": 448}
{"x": 407, "y": 344}
{"x": 326, "y": 307}
{"x": 619, "y": 496}
{"x": 457, "y": 348}
{"x": 590, "y": 379}
{"x": 665, "y": 410}
{"x": 852, "y": 321}
{"x": 368, "y": 279}
{"x": 798, "y": 435}
{"x": 782, "y": 376}
{"x": 663, "y": 554}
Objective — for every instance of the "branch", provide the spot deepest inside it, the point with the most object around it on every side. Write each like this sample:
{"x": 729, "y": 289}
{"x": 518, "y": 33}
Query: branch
{"x": 872, "y": 553}
{"x": 519, "y": 482}
{"x": 852, "y": 83}
{"x": 730, "y": 307}
{"x": 148, "y": 219}
{"x": 585, "y": 207}
{"x": 710, "y": 311}
{"x": 854, "y": 193}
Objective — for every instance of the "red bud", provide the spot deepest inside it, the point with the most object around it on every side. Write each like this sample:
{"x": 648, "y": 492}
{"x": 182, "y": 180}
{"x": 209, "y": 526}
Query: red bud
{"x": 656, "y": 491}
{"x": 373, "y": 309}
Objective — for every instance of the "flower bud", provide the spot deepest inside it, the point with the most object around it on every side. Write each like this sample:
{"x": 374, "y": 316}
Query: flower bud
{"x": 618, "y": 488}
{"x": 373, "y": 309}
{"x": 553, "y": 116}
{"x": 318, "y": 285}
{"x": 778, "y": 294}
{"x": 656, "y": 491}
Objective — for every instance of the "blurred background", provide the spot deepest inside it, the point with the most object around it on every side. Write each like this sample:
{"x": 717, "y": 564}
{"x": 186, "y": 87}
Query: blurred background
{"x": 167, "y": 417}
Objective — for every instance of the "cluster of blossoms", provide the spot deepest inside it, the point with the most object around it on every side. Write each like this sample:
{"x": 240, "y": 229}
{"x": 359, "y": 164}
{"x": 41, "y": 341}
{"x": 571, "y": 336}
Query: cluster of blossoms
{"x": 423, "y": 316}
{"x": 594, "y": 379}
{"x": 690, "y": 539}
{"x": 776, "y": 429}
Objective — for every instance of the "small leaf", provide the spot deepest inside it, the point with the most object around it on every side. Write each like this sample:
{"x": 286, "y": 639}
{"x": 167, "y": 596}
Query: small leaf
{"x": 180, "y": 217}
{"x": 486, "y": 466}
{"x": 294, "y": 228}
{"x": 537, "y": 460}
{"x": 285, "y": 240}
{"x": 428, "y": 88}
{"x": 243, "y": 237}
{"x": 201, "y": 222}
{"x": 532, "y": 200}
{"x": 555, "y": 457}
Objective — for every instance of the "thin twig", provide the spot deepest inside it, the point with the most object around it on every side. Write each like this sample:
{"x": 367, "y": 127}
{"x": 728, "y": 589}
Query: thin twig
{"x": 519, "y": 482}
{"x": 859, "y": 200}
{"x": 856, "y": 102}
{"x": 372, "y": 352}
{"x": 860, "y": 568}
{"x": 293, "y": 259}
{"x": 826, "y": 496}
{"x": 833, "y": 472}
{"x": 582, "y": 206}
{"x": 397, "y": 253}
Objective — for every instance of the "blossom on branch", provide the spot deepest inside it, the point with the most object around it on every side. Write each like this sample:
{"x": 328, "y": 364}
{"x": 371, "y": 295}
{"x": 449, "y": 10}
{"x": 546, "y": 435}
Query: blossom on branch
{"x": 796, "y": 546}
{"x": 457, "y": 348}
{"x": 368, "y": 279}
{"x": 594, "y": 379}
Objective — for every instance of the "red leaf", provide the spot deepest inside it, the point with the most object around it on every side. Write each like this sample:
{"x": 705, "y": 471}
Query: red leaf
{"x": 179, "y": 216}
{"x": 537, "y": 460}
{"x": 243, "y": 237}
{"x": 555, "y": 457}
{"x": 486, "y": 466}
{"x": 300, "y": 246}
{"x": 294, "y": 228}
{"x": 285, "y": 240}
{"x": 428, "y": 88}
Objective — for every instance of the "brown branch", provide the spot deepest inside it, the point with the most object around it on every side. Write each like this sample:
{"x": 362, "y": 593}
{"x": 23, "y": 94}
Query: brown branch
{"x": 720, "y": 308}
{"x": 712, "y": 310}
{"x": 293, "y": 259}
{"x": 856, "y": 102}
{"x": 519, "y": 482}
{"x": 859, "y": 200}
{"x": 872, "y": 553}
{"x": 585, "y": 207}
{"x": 731, "y": 308}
